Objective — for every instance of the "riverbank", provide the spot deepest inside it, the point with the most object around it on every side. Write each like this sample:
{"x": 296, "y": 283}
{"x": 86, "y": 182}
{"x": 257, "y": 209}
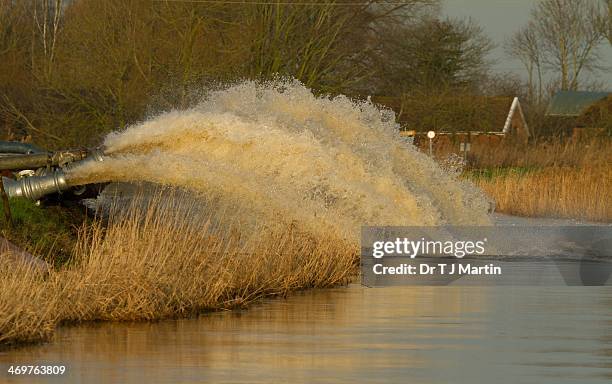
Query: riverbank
{"x": 161, "y": 266}
{"x": 157, "y": 261}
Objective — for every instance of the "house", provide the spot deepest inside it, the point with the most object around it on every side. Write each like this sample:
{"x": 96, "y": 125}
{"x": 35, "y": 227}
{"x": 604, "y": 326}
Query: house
{"x": 581, "y": 114}
{"x": 460, "y": 122}
{"x": 573, "y": 103}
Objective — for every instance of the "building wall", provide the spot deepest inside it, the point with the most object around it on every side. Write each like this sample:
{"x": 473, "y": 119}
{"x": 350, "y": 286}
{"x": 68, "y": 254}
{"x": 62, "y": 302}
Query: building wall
{"x": 458, "y": 142}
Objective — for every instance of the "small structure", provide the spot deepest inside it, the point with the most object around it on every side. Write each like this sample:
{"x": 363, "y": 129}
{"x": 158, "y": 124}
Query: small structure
{"x": 573, "y": 103}
{"x": 581, "y": 114}
{"x": 461, "y": 122}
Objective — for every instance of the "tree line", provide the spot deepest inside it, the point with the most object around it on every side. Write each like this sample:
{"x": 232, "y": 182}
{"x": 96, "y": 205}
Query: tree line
{"x": 73, "y": 70}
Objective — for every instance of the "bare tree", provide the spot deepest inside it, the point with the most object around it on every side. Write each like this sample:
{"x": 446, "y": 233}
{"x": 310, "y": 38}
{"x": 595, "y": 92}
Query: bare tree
{"x": 568, "y": 36}
{"x": 323, "y": 44}
{"x": 46, "y": 25}
{"x": 607, "y": 23}
{"x": 525, "y": 46}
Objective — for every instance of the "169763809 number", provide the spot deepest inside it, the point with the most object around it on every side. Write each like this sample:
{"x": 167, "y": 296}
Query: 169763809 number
{"x": 36, "y": 370}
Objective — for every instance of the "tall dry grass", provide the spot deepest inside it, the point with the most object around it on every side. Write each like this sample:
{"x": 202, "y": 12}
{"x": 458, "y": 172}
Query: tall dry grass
{"x": 562, "y": 179}
{"x": 27, "y": 303}
{"x": 563, "y": 192}
{"x": 553, "y": 153}
{"x": 159, "y": 260}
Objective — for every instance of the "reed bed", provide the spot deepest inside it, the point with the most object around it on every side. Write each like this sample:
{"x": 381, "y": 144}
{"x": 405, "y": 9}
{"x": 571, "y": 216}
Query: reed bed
{"x": 552, "y": 153}
{"x": 562, "y": 192}
{"x": 155, "y": 261}
{"x": 28, "y": 307}
{"x": 559, "y": 179}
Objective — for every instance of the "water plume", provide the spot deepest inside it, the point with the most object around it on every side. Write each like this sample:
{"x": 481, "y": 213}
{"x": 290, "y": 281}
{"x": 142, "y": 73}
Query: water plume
{"x": 324, "y": 164}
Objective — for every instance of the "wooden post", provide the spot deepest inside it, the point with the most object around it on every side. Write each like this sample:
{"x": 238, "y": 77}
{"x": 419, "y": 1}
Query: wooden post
{"x": 5, "y": 203}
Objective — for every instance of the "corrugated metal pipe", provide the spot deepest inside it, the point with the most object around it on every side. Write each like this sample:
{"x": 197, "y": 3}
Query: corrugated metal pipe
{"x": 35, "y": 187}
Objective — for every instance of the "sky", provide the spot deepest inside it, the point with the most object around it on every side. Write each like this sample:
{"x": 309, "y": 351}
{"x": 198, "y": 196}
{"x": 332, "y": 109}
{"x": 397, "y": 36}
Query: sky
{"x": 499, "y": 20}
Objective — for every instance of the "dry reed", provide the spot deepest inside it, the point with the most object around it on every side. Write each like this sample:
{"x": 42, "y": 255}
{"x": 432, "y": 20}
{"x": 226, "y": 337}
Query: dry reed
{"x": 551, "y": 153}
{"x": 563, "y": 192}
{"x": 159, "y": 260}
{"x": 27, "y": 304}
{"x": 563, "y": 179}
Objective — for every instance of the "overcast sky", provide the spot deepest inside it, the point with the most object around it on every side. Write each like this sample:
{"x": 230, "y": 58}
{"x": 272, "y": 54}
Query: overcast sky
{"x": 500, "y": 19}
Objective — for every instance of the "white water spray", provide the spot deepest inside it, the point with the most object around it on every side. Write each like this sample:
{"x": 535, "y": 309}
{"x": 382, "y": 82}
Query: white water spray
{"x": 325, "y": 164}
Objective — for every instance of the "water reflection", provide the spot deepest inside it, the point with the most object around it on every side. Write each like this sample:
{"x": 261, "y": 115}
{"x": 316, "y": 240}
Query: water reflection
{"x": 355, "y": 334}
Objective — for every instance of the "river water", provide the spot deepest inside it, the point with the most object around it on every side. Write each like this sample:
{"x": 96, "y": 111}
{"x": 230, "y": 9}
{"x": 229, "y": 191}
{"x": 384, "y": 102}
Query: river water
{"x": 353, "y": 334}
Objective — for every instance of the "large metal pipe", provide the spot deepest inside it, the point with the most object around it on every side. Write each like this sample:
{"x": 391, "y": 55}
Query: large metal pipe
{"x": 37, "y": 160}
{"x": 18, "y": 147}
{"x": 35, "y": 187}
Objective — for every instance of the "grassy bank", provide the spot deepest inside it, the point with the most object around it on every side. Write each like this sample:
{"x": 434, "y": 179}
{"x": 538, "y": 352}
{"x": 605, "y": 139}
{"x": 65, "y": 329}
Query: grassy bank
{"x": 49, "y": 231}
{"x": 158, "y": 261}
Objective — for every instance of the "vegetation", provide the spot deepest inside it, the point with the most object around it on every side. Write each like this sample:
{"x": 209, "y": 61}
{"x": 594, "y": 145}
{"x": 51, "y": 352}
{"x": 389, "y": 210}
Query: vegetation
{"x": 157, "y": 260}
{"x": 599, "y": 116}
{"x": 429, "y": 56}
{"x": 28, "y": 304}
{"x": 49, "y": 231}
{"x": 73, "y": 71}
{"x": 562, "y": 192}
{"x": 563, "y": 36}
{"x": 549, "y": 153}
{"x": 551, "y": 179}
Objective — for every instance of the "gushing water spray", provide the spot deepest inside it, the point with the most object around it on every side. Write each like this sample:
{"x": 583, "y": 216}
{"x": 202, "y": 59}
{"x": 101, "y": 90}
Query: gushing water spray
{"x": 289, "y": 156}
{"x": 326, "y": 164}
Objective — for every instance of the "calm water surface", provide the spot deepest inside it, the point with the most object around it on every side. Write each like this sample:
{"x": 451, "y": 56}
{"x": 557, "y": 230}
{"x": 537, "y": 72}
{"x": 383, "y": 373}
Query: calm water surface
{"x": 353, "y": 335}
